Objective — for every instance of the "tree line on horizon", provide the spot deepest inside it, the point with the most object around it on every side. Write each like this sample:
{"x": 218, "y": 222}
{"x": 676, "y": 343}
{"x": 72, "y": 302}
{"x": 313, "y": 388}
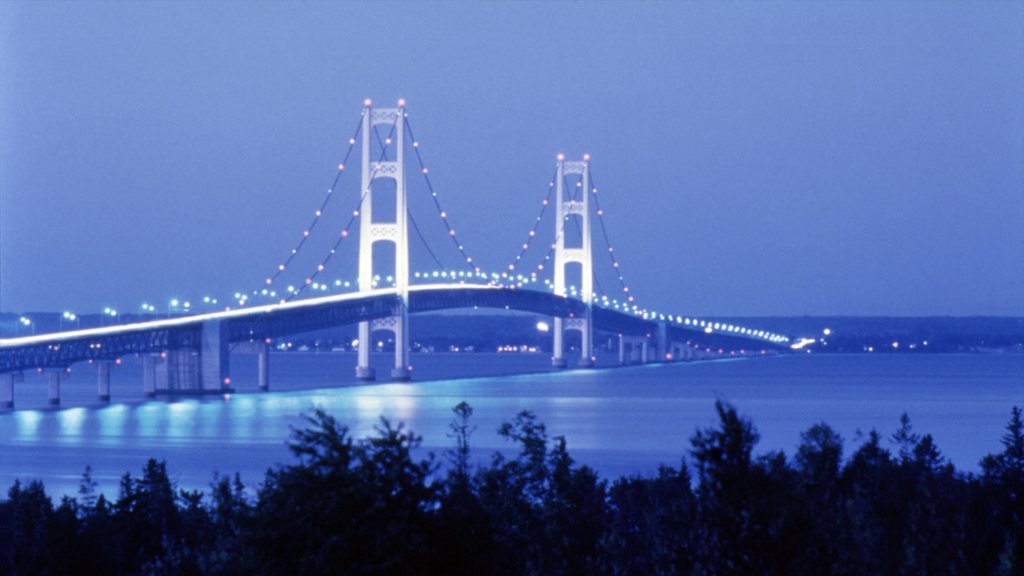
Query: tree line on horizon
{"x": 369, "y": 506}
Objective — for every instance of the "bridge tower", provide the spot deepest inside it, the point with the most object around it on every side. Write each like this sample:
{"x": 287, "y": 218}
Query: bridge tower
{"x": 565, "y": 208}
{"x": 396, "y": 232}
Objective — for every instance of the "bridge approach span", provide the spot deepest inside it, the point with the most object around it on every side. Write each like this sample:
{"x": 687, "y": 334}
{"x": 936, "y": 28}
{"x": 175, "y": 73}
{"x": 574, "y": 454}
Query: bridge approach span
{"x": 62, "y": 349}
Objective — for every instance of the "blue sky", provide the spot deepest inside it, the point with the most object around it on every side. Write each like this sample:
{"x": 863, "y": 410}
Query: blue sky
{"x": 752, "y": 158}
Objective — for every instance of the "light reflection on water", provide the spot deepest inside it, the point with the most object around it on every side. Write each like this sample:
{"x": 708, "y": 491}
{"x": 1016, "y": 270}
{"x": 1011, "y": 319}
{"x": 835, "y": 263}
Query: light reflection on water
{"x": 27, "y": 423}
{"x": 619, "y": 421}
{"x": 112, "y": 422}
{"x": 71, "y": 421}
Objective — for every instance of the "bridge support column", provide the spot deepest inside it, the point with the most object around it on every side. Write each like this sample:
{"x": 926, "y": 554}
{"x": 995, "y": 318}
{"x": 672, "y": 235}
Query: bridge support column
{"x": 53, "y": 378}
{"x": 663, "y": 346}
{"x": 396, "y": 231}
{"x": 582, "y": 325}
{"x": 103, "y": 381}
{"x": 263, "y": 367}
{"x": 179, "y": 373}
{"x": 558, "y": 344}
{"x": 7, "y": 382}
{"x": 586, "y": 341}
{"x": 149, "y": 374}
{"x": 569, "y": 205}
{"x": 645, "y": 356}
{"x": 633, "y": 356}
{"x": 401, "y": 371}
{"x": 622, "y": 350}
{"x": 365, "y": 372}
{"x": 214, "y": 357}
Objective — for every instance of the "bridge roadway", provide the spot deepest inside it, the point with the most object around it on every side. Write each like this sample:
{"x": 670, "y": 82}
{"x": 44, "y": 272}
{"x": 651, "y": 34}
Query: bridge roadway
{"x": 191, "y": 354}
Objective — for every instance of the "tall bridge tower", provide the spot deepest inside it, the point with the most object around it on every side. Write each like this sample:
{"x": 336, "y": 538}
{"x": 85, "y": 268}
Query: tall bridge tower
{"x": 568, "y": 206}
{"x": 396, "y": 232}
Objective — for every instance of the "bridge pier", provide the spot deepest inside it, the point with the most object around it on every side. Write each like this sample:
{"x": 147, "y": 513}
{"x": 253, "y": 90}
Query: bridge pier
{"x": 179, "y": 372}
{"x": 622, "y": 350}
{"x": 637, "y": 353}
{"x": 263, "y": 367}
{"x": 215, "y": 357}
{"x": 586, "y": 340}
{"x": 103, "y": 380}
{"x": 365, "y": 372}
{"x": 7, "y": 381}
{"x": 558, "y": 352}
{"x": 663, "y": 346}
{"x": 401, "y": 372}
{"x": 53, "y": 378}
{"x": 149, "y": 362}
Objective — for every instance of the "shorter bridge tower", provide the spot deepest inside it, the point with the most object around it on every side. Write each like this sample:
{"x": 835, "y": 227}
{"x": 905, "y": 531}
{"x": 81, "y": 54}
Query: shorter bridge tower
{"x": 396, "y": 232}
{"x": 567, "y": 207}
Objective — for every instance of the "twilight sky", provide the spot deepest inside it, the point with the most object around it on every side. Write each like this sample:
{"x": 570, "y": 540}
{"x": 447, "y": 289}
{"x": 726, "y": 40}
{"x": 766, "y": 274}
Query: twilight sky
{"x": 752, "y": 159}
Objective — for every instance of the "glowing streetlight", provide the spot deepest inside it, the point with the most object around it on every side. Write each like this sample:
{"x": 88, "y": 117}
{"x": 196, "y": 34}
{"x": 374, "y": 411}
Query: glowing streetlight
{"x": 70, "y": 317}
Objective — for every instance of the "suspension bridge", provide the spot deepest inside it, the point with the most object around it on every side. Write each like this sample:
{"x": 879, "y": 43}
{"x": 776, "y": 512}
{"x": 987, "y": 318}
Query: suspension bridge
{"x": 191, "y": 354}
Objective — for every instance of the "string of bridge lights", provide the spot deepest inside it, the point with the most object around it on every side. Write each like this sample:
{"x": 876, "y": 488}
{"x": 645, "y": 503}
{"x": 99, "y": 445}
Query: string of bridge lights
{"x": 318, "y": 214}
{"x": 433, "y": 193}
{"x": 536, "y": 225}
{"x": 344, "y": 234}
{"x": 310, "y": 280}
{"x": 616, "y": 266}
{"x": 611, "y": 250}
{"x": 532, "y": 233}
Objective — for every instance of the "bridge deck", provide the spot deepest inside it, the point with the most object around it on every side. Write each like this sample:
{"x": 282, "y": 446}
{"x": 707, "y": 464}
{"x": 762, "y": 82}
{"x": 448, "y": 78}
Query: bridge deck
{"x": 275, "y": 320}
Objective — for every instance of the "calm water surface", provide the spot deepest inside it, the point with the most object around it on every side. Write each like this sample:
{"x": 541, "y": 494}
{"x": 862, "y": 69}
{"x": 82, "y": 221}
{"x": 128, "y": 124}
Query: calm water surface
{"x": 620, "y": 421}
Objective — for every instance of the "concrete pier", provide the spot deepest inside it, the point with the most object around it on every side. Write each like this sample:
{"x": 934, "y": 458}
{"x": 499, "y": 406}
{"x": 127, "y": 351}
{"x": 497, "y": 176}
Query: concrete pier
{"x": 400, "y": 372}
{"x": 365, "y": 372}
{"x": 178, "y": 373}
{"x": 7, "y": 382}
{"x": 103, "y": 380}
{"x": 663, "y": 346}
{"x": 149, "y": 362}
{"x": 214, "y": 357}
{"x": 53, "y": 378}
{"x": 557, "y": 347}
{"x": 263, "y": 367}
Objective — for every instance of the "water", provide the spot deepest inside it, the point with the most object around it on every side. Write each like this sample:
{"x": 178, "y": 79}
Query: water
{"x": 620, "y": 421}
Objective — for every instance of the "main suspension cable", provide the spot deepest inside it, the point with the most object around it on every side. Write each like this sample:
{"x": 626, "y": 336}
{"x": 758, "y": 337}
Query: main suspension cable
{"x": 437, "y": 202}
{"x": 321, "y": 211}
{"x": 355, "y": 214}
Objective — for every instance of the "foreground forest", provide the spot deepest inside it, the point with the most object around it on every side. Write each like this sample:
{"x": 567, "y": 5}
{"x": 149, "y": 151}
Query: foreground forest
{"x": 347, "y": 506}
